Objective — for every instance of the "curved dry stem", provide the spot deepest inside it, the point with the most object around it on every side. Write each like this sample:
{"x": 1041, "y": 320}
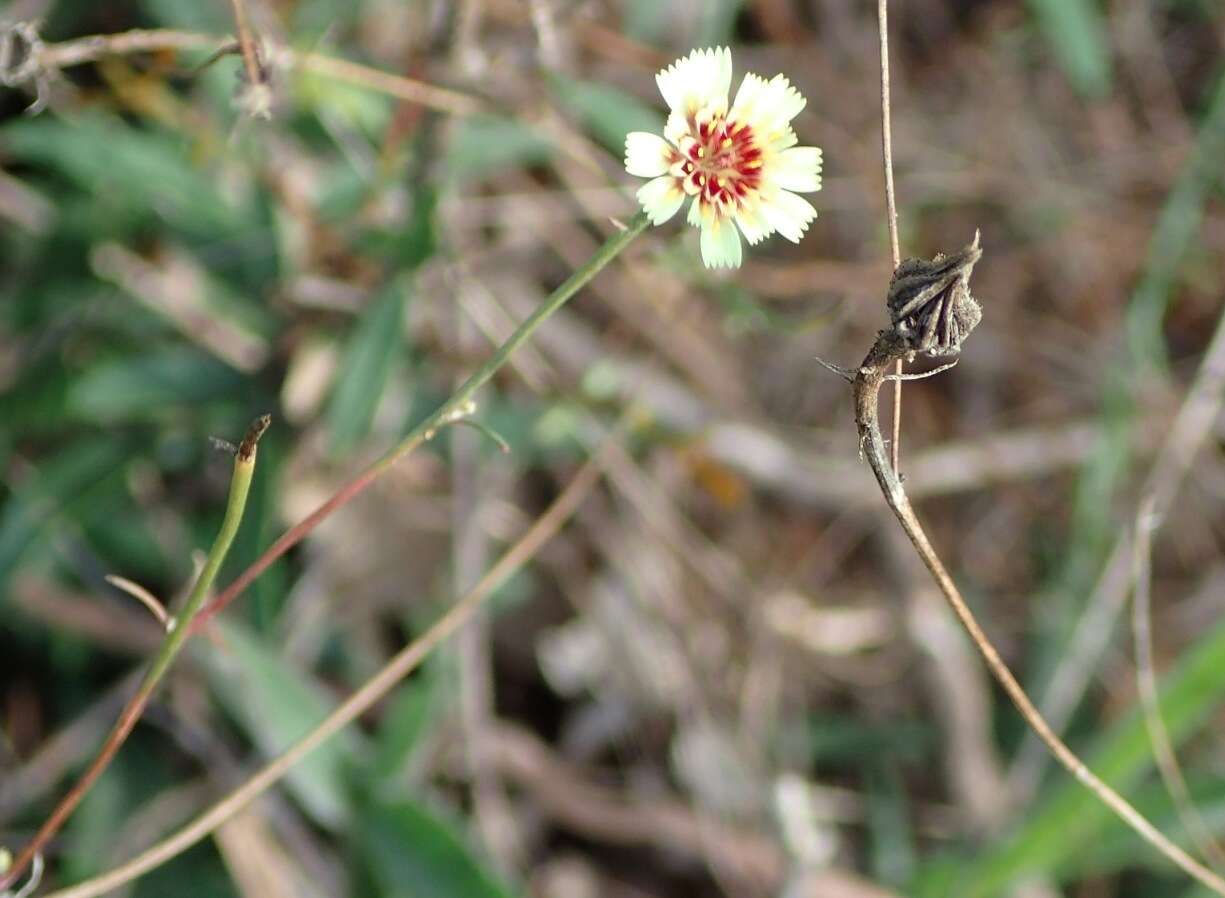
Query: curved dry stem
{"x": 887, "y": 350}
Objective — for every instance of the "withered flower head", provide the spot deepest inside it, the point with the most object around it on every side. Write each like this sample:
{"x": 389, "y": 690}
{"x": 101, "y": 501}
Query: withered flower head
{"x": 930, "y": 304}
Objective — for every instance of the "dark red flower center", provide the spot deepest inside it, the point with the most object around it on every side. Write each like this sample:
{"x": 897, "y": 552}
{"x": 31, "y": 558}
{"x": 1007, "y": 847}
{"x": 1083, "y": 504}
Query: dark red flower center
{"x": 722, "y": 162}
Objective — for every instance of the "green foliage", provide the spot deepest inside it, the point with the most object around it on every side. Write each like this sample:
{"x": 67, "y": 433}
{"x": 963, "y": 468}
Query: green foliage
{"x": 410, "y": 852}
{"x": 143, "y": 178}
{"x": 61, "y": 482}
{"x": 277, "y": 704}
{"x": 485, "y": 145}
{"x": 367, "y": 364}
{"x": 189, "y": 15}
{"x": 135, "y": 386}
{"x": 1076, "y": 31}
{"x": 107, "y": 402}
{"x": 1058, "y": 835}
{"x": 608, "y": 113}
{"x": 411, "y": 711}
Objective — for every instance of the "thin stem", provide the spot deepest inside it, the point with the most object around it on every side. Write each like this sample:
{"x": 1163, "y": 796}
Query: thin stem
{"x": 246, "y": 44}
{"x": 79, "y": 51}
{"x": 1184, "y": 440}
{"x": 456, "y": 408}
{"x": 1146, "y": 682}
{"x": 883, "y": 354}
{"x": 886, "y": 142}
{"x": 240, "y": 483}
{"x": 142, "y": 595}
{"x": 404, "y": 662}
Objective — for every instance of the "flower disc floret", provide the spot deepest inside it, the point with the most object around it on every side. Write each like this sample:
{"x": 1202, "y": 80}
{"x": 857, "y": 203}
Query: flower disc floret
{"x": 740, "y": 165}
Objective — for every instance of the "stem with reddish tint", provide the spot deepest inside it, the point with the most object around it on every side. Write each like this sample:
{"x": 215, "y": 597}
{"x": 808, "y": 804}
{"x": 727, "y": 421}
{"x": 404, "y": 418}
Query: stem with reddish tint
{"x": 176, "y": 636}
{"x": 454, "y": 409}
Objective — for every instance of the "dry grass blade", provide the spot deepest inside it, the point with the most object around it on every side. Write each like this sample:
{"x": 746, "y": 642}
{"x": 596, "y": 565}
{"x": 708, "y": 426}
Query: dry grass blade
{"x": 256, "y": 96}
{"x": 54, "y": 57}
{"x": 1193, "y": 822}
{"x": 1185, "y": 437}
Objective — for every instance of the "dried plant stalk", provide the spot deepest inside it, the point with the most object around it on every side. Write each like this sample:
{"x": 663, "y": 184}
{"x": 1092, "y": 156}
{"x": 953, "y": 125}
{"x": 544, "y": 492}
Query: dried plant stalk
{"x": 938, "y": 291}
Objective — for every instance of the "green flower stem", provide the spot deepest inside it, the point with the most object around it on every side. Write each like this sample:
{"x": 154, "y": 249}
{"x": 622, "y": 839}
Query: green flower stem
{"x": 197, "y": 611}
{"x": 180, "y": 629}
{"x": 240, "y": 486}
{"x": 458, "y": 407}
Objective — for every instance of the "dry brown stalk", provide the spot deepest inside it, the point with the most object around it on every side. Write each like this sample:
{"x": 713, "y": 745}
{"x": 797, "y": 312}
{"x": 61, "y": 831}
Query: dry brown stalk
{"x": 886, "y": 142}
{"x": 900, "y": 341}
{"x": 53, "y": 58}
{"x": 255, "y": 97}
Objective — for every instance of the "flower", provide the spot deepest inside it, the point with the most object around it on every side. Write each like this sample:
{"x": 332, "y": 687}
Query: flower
{"x": 740, "y": 165}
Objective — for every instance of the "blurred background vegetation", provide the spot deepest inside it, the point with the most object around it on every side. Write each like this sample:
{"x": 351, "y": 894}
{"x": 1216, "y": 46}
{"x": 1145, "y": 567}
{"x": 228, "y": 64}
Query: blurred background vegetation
{"x": 727, "y": 676}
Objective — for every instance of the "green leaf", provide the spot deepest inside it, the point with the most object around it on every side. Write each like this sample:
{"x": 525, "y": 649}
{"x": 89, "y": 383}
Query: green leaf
{"x": 277, "y": 704}
{"x": 839, "y": 739}
{"x": 607, "y": 112}
{"x": 142, "y": 386}
{"x": 67, "y": 478}
{"x": 1120, "y": 848}
{"x": 717, "y": 23}
{"x": 358, "y": 107}
{"x": 482, "y": 145}
{"x": 1176, "y": 232}
{"x": 411, "y": 710}
{"x": 891, "y": 837}
{"x": 141, "y": 174}
{"x": 312, "y": 20}
{"x": 1059, "y": 831}
{"x": 366, "y": 366}
{"x": 645, "y": 21}
{"x": 190, "y": 14}
{"x": 1076, "y": 31}
{"x": 409, "y": 852}
{"x": 92, "y": 828}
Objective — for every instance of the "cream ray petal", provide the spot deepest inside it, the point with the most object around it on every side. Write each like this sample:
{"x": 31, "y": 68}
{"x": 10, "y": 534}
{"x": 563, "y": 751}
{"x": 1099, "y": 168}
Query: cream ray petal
{"x": 646, "y": 155}
{"x": 788, "y": 214}
{"x": 695, "y": 212}
{"x": 677, "y": 127}
{"x": 798, "y": 169}
{"x": 752, "y": 225}
{"x": 660, "y": 199}
{"x": 697, "y": 82}
{"x": 721, "y": 244}
{"x": 780, "y": 101}
{"x": 746, "y": 97}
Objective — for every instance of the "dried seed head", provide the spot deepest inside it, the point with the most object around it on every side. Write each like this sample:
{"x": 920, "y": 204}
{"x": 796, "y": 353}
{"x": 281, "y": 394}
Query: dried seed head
{"x": 929, "y": 301}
